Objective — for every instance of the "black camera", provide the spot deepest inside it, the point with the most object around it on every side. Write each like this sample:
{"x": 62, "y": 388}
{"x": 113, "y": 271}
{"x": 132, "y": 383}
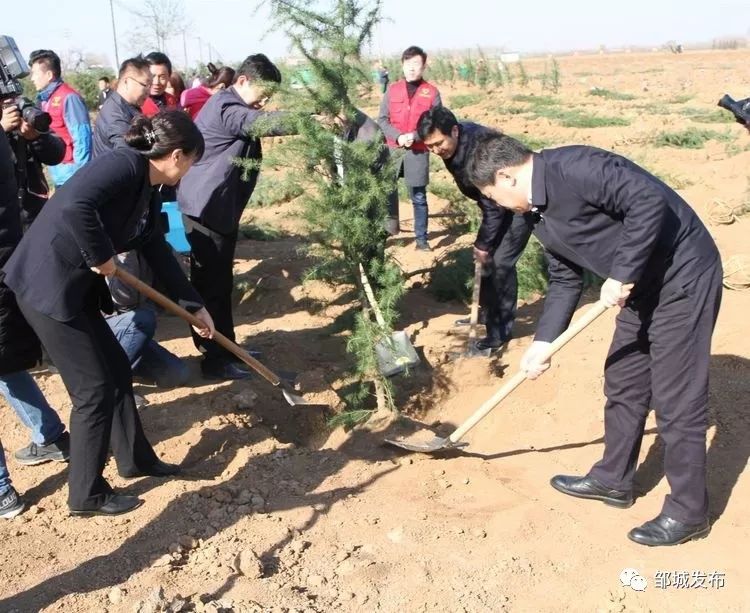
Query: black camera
{"x": 739, "y": 108}
{"x": 13, "y": 68}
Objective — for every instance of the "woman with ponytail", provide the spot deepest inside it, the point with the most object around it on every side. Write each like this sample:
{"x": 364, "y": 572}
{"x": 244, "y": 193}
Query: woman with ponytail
{"x": 193, "y": 99}
{"x": 57, "y": 273}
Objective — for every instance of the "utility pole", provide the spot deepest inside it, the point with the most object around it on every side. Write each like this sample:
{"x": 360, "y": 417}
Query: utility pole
{"x": 114, "y": 33}
{"x": 200, "y": 48}
{"x": 210, "y": 59}
{"x": 184, "y": 50}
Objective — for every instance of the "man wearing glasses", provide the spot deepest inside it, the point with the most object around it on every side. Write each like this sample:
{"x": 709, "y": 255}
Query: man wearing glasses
{"x": 118, "y": 110}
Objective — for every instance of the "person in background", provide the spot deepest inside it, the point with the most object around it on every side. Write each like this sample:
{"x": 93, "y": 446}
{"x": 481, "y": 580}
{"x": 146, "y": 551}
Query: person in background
{"x": 104, "y": 91}
{"x": 158, "y": 97}
{"x": 176, "y": 85}
{"x": 70, "y": 117}
{"x": 502, "y": 236}
{"x": 400, "y": 109}
{"x": 134, "y": 325}
{"x": 193, "y": 99}
{"x": 122, "y": 105}
{"x": 110, "y": 207}
{"x": 383, "y": 77}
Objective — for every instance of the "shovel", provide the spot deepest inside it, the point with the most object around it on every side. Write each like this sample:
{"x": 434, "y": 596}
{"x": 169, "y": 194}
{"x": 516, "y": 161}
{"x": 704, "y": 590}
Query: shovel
{"x": 396, "y": 354}
{"x": 233, "y": 348}
{"x": 454, "y": 440}
{"x": 472, "y": 351}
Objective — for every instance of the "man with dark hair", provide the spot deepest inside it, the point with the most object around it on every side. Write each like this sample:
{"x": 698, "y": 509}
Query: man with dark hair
{"x": 70, "y": 117}
{"x": 600, "y": 211}
{"x": 502, "y": 236}
{"x": 402, "y": 105}
{"x": 215, "y": 191}
{"x": 122, "y": 105}
{"x": 158, "y": 99}
{"x": 104, "y": 90}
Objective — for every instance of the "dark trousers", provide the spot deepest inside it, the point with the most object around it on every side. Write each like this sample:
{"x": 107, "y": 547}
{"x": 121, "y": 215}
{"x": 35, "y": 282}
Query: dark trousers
{"x": 96, "y": 373}
{"x": 499, "y": 290}
{"x": 211, "y": 273}
{"x": 659, "y": 358}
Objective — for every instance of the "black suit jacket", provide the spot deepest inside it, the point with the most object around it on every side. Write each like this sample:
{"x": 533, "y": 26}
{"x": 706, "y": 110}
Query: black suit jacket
{"x": 602, "y": 212}
{"x": 216, "y": 190}
{"x": 107, "y": 207}
{"x": 495, "y": 219}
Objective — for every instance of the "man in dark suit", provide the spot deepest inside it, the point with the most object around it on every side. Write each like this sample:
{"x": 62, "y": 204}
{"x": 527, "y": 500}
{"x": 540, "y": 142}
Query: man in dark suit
{"x": 600, "y": 211}
{"x": 122, "y": 106}
{"x": 215, "y": 192}
{"x": 502, "y": 236}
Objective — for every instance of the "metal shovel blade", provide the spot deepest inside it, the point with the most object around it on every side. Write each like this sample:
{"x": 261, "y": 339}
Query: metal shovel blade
{"x": 434, "y": 444}
{"x": 293, "y": 399}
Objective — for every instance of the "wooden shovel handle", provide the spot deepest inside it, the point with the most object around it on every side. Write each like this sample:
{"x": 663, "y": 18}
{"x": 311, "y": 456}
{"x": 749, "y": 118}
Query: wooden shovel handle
{"x": 474, "y": 318}
{"x": 176, "y": 309}
{"x": 573, "y": 330}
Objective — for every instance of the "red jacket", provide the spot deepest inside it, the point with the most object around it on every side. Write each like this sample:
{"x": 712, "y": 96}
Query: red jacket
{"x": 403, "y": 114}
{"x": 193, "y": 100}
{"x": 150, "y": 108}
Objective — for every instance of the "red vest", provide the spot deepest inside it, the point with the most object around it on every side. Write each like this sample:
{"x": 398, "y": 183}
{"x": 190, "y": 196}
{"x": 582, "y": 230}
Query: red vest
{"x": 55, "y": 106}
{"x": 150, "y": 108}
{"x": 403, "y": 114}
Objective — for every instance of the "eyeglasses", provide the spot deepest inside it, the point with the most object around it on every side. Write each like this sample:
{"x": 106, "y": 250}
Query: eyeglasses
{"x": 139, "y": 83}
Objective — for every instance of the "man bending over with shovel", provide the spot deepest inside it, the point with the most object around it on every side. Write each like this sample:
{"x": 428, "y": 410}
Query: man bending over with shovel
{"x": 502, "y": 236}
{"x": 600, "y": 211}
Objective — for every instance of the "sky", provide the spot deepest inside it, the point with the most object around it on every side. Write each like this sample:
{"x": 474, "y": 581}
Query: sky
{"x": 234, "y": 29}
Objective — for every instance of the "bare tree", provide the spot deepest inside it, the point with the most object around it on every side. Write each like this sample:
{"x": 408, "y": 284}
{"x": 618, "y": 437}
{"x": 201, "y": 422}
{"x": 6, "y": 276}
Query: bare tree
{"x": 159, "y": 21}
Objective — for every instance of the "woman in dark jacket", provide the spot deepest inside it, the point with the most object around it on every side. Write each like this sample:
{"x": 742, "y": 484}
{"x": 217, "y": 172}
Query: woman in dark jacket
{"x": 57, "y": 272}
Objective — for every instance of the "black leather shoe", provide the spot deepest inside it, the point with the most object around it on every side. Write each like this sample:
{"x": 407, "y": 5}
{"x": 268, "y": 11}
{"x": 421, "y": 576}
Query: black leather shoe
{"x": 116, "y": 505}
{"x": 663, "y": 530}
{"x": 488, "y": 342}
{"x": 224, "y": 372}
{"x": 586, "y": 487}
{"x": 158, "y": 469}
{"x": 423, "y": 246}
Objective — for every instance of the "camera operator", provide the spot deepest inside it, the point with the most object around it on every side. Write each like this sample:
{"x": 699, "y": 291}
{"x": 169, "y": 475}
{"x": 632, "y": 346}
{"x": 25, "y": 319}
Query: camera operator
{"x": 19, "y": 346}
{"x": 32, "y": 149}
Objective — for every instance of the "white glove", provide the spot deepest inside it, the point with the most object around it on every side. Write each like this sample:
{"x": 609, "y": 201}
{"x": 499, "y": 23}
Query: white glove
{"x": 533, "y": 362}
{"x": 615, "y": 293}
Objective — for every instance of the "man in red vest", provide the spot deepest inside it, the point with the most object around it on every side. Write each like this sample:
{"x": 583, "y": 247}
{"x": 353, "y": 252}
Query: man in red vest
{"x": 403, "y": 104}
{"x": 158, "y": 97}
{"x": 70, "y": 117}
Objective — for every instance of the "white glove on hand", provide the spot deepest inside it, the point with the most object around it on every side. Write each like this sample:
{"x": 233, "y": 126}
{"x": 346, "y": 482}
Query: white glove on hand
{"x": 615, "y": 293}
{"x": 532, "y": 362}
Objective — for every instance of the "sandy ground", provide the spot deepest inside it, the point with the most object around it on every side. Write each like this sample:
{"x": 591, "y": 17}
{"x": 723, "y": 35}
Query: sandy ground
{"x": 273, "y": 512}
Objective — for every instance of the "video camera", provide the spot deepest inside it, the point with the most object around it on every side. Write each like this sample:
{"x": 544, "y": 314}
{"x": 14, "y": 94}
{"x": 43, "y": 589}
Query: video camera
{"x": 739, "y": 108}
{"x": 13, "y": 68}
